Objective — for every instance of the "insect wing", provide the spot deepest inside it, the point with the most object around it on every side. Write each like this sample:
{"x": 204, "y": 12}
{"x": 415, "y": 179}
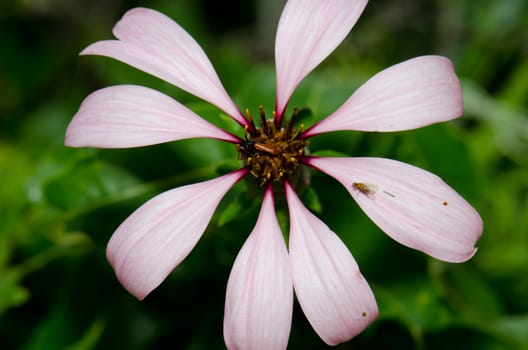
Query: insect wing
{"x": 367, "y": 189}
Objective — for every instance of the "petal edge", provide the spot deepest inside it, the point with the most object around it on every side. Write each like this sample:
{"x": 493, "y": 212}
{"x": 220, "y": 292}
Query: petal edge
{"x": 411, "y": 205}
{"x": 308, "y": 31}
{"x": 154, "y": 43}
{"x": 133, "y": 116}
{"x": 259, "y": 298}
{"x": 409, "y": 95}
{"x": 333, "y": 294}
{"x": 154, "y": 239}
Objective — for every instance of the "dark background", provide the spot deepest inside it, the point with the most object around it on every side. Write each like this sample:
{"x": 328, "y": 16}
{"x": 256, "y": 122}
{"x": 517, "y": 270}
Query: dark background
{"x": 59, "y": 206}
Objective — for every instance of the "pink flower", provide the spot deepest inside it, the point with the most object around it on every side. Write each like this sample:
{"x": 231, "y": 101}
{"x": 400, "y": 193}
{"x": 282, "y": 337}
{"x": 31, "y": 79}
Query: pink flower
{"x": 413, "y": 206}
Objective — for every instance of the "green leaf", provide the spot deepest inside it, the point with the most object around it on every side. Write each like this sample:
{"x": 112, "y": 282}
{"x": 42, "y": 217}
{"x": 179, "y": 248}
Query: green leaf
{"x": 216, "y": 117}
{"x": 328, "y": 153}
{"x": 415, "y": 304}
{"x": 11, "y": 292}
{"x": 231, "y": 211}
{"x": 53, "y": 332}
{"x": 514, "y": 328}
{"x": 15, "y": 168}
{"x": 515, "y": 91}
{"x": 509, "y": 125}
{"x": 311, "y": 200}
{"x": 467, "y": 291}
{"x": 444, "y": 154}
{"x": 56, "y": 163}
{"x": 258, "y": 89}
{"x": 87, "y": 184}
{"x": 228, "y": 166}
{"x": 195, "y": 153}
{"x": 240, "y": 204}
{"x": 91, "y": 337}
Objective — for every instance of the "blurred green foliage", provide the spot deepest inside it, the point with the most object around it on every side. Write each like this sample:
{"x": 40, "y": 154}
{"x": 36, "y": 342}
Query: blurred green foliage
{"x": 59, "y": 206}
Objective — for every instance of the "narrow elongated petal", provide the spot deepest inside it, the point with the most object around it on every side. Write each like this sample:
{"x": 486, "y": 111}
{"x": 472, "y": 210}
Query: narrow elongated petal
{"x": 154, "y": 43}
{"x": 411, "y": 205}
{"x": 333, "y": 294}
{"x": 259, "y": 298}
{"x": 309, "y": 30}
{"x": 409, "y": 95}
{"x": 152, "y": 241}
{"x": 131, "y": 116}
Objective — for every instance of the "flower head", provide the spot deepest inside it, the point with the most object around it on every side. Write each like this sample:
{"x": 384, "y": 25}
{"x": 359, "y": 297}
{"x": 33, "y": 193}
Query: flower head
{"x": 411, "y": 205}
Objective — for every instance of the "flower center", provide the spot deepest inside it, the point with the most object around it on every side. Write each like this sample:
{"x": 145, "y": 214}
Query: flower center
{"x": 270, "y": 153}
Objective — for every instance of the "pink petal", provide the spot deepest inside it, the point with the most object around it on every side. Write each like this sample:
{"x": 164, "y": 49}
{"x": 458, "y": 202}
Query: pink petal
{"x": 409, "y": 95}
{"x": 259, "y": 298}
{"x": 154, "y": 43}
{"x": 152, "y": 241}
{"x": 413, "y": 206}
{"x": 131, "y": 116}
{"x": 309, "y": 30}
{"x": 333, "y": 294}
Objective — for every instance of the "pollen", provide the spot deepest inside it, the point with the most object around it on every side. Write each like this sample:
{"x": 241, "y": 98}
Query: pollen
{"x": 271, "y": 154}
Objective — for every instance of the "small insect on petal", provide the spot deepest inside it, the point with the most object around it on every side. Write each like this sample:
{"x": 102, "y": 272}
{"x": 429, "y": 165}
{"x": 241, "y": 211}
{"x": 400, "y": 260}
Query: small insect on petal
{"x": 367, "y": 189}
